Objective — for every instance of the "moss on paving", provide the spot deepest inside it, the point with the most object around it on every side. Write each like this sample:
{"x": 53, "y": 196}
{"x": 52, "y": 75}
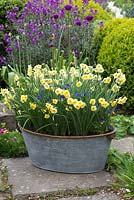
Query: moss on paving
{"x": 5, "y": 188}
{"x": 60, "y": 194}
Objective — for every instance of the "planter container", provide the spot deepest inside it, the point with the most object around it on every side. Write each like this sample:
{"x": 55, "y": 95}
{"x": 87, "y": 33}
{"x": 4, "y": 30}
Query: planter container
{"x": 73, "y": 154}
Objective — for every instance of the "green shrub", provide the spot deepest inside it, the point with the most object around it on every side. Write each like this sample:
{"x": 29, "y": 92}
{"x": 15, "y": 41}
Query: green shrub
{"x": 124, "y": 125}
{"x": 100, "y": 33}
{"x": 11, "y": 144}
{"x": 117, "y": 51}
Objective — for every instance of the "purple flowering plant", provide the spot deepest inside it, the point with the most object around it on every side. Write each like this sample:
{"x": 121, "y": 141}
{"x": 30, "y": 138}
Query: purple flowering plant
{"x": 45, "y": 25}
{"x": 1, "y": 130}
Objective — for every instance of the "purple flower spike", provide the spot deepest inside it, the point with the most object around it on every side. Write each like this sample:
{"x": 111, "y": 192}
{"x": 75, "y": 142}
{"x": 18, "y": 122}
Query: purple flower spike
{"x": 101, "y": 24}
{"x": 77, "y": 22}
{"x": 2, "y": 61}
{"x": 68, "y": 7}
{"x": 76, "y": 53}
{"x": 15, "y": 9}
{"x": 16, "y": 44}
{"x": 9, "y": 50}
{"x": 1, "y": 27}
{"x": 85, "y": 1}
{"x": 89, "y": 17}
{"x": 62, "y": 13}
{"x": 93, "y": 11}
{"x": 51, "y": 44}
{"x": 56, "y": 16}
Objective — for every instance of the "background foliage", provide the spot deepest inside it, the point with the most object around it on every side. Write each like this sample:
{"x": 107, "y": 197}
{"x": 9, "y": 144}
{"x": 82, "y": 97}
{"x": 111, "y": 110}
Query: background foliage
{"x": 129, "y": 11}
{"x": 101, "y": 13}
{"x": 123, "y": 167}
{"x": 117, "y": 51}
{"x": 124, "y": 125}
{"x": 12, "y": 144}
{"x": 101, "y": 32}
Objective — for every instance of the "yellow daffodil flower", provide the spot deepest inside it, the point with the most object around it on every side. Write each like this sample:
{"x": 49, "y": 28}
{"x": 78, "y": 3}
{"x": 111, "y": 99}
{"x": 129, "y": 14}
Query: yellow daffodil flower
{"x": 87, "y": 70}
{"x": 33, "y": 106}
{"x": 105, "y": 104}
{"x": 99, "y": 69}
{"x": 49, "y": 106}
{"x": 93, "y": 108}
{"x": 92, "y": 101}
{"x": 37, "y": 67}
{"x": 122, "y": 100}
{"x": 113, "y": 103}
{"x": 121, "y": 79}
{"x": 115, "y": 88}
{"x": 79, "y": 84}
{"x": 83, "y": 66}
{"x": 77, "y": 106}
{"x": 53, "y": 110}
{"x": 82, "y": 104}
{"x": 58, "y": 91}
{"x": 107, "y": 80}
{"x": 101, "y": 100}
{"x": 23, "y": 98}
{"x": 70, "y": 101}
{"x": 66, "y": 93}
{"x": 54, "y": 101}
{"x": 46, "y": 116}
{"x": 90, "y": 76}
{"x": 4, "y": 92}
{"x": 85, "y": 77}
{"x": 72, "y": 70}
{"x": 46, "y": 86}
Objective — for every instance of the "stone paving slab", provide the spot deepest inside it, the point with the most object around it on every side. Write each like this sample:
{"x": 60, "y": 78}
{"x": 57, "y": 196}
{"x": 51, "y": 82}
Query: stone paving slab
{"x": 27, "y": 179}
{"x": 101, "y": 196}
{"x": 124, "y": 145}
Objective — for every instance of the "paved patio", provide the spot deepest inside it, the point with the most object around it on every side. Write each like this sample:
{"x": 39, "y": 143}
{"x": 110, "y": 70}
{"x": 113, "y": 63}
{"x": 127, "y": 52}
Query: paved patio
{"x": 28, "y": 179}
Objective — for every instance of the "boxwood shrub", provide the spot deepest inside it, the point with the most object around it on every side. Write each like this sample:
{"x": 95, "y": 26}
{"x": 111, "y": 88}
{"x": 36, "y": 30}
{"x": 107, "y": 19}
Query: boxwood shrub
{"x": 117, "y": 51}
{"x": 100, "y": 34}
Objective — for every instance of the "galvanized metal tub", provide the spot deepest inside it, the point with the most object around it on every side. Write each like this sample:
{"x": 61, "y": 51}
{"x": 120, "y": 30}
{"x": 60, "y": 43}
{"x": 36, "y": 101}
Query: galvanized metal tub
{"x": 68, "y": 154}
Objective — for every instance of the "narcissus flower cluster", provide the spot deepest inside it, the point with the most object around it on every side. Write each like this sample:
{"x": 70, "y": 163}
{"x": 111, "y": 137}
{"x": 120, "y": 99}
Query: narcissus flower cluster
{"x": 65, "y": 102}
